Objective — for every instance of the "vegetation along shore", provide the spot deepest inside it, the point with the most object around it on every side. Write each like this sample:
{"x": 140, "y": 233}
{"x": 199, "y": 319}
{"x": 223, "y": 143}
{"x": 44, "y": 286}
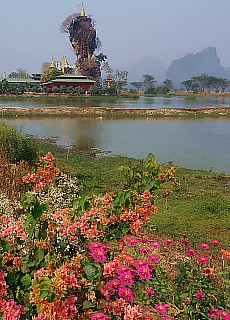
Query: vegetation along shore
{"x": 223, "y": 112}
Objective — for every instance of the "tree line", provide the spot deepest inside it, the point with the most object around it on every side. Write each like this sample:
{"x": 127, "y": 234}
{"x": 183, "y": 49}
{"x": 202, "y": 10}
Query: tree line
{"x": 115, "y": 83}
{"x": 204, "y": 82}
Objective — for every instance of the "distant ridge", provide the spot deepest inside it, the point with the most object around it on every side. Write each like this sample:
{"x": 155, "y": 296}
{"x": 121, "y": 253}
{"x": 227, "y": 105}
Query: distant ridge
{"x": 147, "y": 65}
{"x": 194, "y": 64}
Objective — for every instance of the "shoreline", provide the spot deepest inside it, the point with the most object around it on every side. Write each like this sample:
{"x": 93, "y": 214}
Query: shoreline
{"x": 216, "y": 112}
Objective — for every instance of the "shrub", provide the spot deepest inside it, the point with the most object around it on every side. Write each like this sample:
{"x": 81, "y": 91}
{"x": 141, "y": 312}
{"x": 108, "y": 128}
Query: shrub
{"x": 17, "y": 145}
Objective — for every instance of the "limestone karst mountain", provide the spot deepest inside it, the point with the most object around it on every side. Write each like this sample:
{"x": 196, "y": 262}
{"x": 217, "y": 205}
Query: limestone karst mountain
{"x": 194, "y": 64}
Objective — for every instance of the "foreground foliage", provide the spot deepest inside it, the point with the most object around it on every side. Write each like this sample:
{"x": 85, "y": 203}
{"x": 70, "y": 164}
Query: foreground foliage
{"x": 16, "y": 145}
{"x": 91, "y": 259}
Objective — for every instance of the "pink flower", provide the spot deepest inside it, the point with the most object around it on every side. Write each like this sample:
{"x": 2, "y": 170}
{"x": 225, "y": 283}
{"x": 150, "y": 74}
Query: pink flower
{"x": 215, "y": 243}
{"x": 204, "y": 246}
{"x": 203, "y": 260}
{"x": 223, "y": 314}
{"x": 126, "y": 293}
{"x": 13, "y": 310}
{"x": 122, "y": 269}
{"x": 3, "y": 285}
{"x": 149, "y": 292}
{"x": 168, "y": 241}
{"x": 184, "y": 235}
{"x": 126, "y": 277}
{"x": 200, "y": 295}
{"x": 191, "y": 252}
{"x": 144, "y": 272}
{"x": 155, "y": 245}
{"x": 141, "y": 263}
{"x": 132, "y": 242}
{"x": 144, "y": 250}
{"x": 113, "y": 285}
{"x": 99, "y": 316}
{"x": 132, "y": 312}
{"x": 110, "y": 269}
{"x": 99, "y": 254}
{"x": 153, "y": 258}
{"x": 95, "y": 246}
{"x": 161, "y": 308}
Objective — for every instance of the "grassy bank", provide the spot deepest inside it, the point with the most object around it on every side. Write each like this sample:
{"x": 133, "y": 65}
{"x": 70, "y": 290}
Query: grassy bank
{"x": 199, "y": 204}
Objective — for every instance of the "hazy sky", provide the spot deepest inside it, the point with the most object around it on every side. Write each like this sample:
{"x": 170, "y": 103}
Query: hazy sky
{"x": 129, "y": 30}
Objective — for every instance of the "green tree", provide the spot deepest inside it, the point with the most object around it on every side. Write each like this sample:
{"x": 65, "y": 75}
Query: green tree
{"x": 137, "y": 84}
{"x": 5, "y": 86}
{"x": 19, "y": 73}
{"x": 50, "y": 74}
{"x": 149, "y": 81}
{"x": 219, "y": 84}
{"x": 201, "y": 81}
{"x": 78, "y": 91}
{"x": 94, "y": 90}
{"x": 167, "y": 86}
{"x": 101, "y": 57}
{"x": 188, "y": 84}
{"x": 55, "y": 89}
{"x": 121, "y": 80}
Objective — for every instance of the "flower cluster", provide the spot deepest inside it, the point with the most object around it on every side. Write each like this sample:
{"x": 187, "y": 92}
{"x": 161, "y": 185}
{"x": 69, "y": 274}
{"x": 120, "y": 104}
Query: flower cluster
{"x": 43, "y": 174}
{"x": 93, "y": 261}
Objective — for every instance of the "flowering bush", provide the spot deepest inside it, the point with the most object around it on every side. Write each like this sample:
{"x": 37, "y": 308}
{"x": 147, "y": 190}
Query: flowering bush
{"x": 92, "y": 261}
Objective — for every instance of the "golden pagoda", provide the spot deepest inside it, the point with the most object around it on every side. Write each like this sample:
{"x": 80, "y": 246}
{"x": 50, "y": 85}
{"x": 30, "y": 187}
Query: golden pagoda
{"x": 82, "y": 10}
{"x": 64, "y": 64}
{"x": 52, "y": 63}
{"x": 109, "y": 81}
{"x": 4, "y": 74}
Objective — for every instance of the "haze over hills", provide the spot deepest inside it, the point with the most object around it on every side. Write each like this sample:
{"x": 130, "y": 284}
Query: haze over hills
{"x": 148, "y": 65}
{"x": 192, "y": 64}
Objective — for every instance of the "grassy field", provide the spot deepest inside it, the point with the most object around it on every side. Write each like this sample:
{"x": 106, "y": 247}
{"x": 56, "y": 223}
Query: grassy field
{"x": 199, "y": 204}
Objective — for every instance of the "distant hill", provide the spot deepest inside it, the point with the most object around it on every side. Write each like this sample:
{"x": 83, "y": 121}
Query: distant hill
{"x": 146, "y": 65}
{"x": 194, "y": 64}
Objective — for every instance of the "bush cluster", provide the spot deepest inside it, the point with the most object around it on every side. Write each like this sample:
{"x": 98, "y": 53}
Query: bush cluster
{"x": 17, "y": 145}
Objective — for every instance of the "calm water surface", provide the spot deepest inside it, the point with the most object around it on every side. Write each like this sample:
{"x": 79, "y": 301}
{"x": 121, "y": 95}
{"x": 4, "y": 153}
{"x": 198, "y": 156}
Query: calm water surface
{"x": 141, "y": 102}
{"x": 197, "y": 144}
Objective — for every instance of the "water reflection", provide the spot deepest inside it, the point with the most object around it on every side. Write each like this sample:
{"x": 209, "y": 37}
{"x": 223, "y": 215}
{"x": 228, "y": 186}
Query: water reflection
{"x": 198, "y": 144}
{"x": 113, "y": 102}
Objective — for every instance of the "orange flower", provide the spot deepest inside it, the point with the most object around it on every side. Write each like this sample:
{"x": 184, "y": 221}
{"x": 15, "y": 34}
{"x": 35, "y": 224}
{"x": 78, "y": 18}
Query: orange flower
{"x": 208, "y": 271}
{"x": 226, "y": 254}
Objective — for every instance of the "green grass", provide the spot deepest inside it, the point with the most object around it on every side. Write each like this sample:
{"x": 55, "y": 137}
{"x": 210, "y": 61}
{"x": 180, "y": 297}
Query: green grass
{"x": 16, "y": 145}
{"x": 199, "y": 205}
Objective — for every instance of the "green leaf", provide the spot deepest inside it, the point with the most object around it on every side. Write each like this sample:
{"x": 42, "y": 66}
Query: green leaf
{"x": 37, "y": 211}
{"x": 44, "y": 293}
{"x": 90, "y": 271}
{"x": 51, "y": 298}
{"x": 87, "y": 205}
{"x": 87, "y": 304}
{"x": 25, "y": 280}
{"x": 42, "y": 234}
{"x": 39, "y": 255}
{"x": 5, "y": 245}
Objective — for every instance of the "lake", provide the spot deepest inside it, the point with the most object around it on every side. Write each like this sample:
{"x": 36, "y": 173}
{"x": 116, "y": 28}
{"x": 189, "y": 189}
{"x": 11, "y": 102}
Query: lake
{"x": 199, "y": 101}
{"x": 196, "y": 144}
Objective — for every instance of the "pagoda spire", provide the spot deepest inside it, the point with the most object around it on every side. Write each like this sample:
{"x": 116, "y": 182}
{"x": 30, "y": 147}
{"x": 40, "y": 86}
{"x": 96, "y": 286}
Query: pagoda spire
{"x": 82, "y": 10}
{"x": 52, "y": 63}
